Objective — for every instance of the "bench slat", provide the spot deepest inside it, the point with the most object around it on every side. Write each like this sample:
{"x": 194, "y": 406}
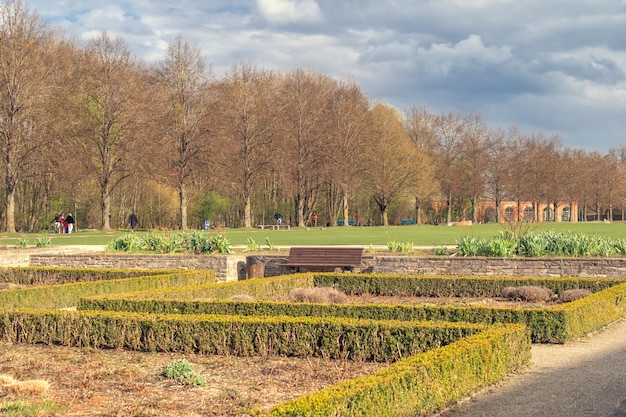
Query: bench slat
{"x": 324, "y": 257}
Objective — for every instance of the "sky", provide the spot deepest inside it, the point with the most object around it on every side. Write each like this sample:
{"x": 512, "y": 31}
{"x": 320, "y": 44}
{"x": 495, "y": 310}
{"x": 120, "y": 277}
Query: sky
{"x": 547, "y": 66}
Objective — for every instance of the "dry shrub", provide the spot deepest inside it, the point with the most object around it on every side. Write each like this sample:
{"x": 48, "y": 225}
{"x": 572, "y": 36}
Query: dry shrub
{"x": 528, "y": 293}
{"x": 6, "y": 380}
{"x": 32, "y": 387}
{"x": 573, "y": 295}
{"x": 242, "y": 297}
{"x": 316, "y": 295}
{"x": 21, "y": 388}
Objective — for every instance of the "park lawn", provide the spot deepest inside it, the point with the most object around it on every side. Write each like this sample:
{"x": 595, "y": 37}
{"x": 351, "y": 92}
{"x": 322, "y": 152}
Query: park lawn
{"x": 422, "y": 235}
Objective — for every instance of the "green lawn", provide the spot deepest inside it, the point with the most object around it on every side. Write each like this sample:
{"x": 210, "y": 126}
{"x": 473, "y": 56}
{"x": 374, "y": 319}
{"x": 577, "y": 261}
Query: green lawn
{"x": 418, "y": 235}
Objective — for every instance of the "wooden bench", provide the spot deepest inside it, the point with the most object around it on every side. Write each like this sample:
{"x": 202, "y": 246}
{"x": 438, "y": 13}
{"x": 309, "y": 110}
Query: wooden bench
{"x": 274, "y": 226}
{"x": 324, "y": 258}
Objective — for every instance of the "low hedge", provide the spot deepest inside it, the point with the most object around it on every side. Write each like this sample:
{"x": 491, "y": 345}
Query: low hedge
{"x": 51, "y": 276}
{"x": 556, "y": 324}
{"x": 450, "y": 286}
{"x": 68, "y": 295}
{"x": 421, "y": 384}
{"x": 335, "y": 338}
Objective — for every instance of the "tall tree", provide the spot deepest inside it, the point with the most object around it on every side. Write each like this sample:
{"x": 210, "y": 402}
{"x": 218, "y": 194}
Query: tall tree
{"x": 184, "y": 78}
{"x": 348, "y": 120}
{"x": 419, "y": 126}
{"x": 449, "y": 131}
{"x": 25, "y": 70}
{"x": 304, "y": 96}
{"x": 249, "y": 110}
{"x": 393, "y": 161}
{"x": 108, "y": 117}
{"x": 473, "y": 160}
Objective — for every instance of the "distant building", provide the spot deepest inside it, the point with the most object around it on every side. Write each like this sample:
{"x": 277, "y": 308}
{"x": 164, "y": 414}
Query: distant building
{"x": 543, "y": 212}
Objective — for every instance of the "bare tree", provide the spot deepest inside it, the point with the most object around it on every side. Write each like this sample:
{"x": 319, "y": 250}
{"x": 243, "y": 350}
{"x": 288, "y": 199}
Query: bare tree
{"x": 249, "y": 112}
{"x": 418, "y": 123}
{"x": 108, "y": 117}
{"x": 25, "y": 70}
{"x": 348, "y": 117}
{"x": 304, "y": 96}
{"x": 449, "y": 132}
{"x": 184, "y": 78}
{"x": 473, "y": 161}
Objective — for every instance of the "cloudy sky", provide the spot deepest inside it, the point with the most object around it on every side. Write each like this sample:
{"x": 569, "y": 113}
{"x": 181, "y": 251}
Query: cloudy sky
{"x": 549, "y": 66}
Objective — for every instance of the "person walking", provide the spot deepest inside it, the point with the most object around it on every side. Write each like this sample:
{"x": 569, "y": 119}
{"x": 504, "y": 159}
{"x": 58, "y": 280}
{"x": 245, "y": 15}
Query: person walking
{"x": 133, "y": 221}
{"x": 314, "y": 219}
{"x": 70, "y": 223}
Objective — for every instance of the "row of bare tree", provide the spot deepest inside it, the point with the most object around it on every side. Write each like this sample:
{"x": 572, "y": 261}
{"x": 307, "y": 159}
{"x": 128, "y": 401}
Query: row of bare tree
{"x": 90, "y": 129}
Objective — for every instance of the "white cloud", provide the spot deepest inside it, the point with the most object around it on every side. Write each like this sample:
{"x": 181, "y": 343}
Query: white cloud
{"x": 290, "y": 11}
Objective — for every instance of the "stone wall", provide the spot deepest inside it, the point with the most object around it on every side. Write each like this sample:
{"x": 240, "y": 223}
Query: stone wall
{"x": 227, "y": 267}
{"x": 235, "y": 267}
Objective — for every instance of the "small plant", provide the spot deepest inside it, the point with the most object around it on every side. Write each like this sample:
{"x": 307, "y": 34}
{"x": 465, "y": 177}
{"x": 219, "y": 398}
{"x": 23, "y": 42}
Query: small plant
{"x": 126, "y": 243}
{"x": 182, "y": 372}
{"x": 441, "y": 251}
{"x": 251, "y": 245}
{"x": 22, "y": 243}
{"x": 43, "y": 242}
{"x": 400, "y": 246}
{"x": 269, "y": 244}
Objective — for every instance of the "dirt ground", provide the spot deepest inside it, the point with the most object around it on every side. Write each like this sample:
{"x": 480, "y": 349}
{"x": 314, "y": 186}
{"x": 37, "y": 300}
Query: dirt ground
{"x": 88, "y": 382}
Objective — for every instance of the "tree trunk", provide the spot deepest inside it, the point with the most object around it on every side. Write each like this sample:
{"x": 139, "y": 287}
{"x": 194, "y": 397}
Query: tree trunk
{"x": 182, "y": 192}
{"x": 10, "y": 206}
{"x": 247, "y": 212}
{"x": 106, "y": 210}
{"x": 345, "y": 209}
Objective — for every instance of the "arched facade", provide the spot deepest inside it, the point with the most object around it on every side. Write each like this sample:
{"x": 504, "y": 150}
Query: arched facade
{"x": 543, "y": 212}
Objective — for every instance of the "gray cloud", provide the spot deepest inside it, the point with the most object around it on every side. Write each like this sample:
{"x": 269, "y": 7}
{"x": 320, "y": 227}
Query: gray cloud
{"x": 551, "y": 66}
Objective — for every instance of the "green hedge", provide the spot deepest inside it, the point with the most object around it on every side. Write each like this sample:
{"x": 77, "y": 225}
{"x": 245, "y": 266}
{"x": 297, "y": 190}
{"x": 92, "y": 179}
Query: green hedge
{"x": 450, "y": 286}
{"x": 51, "y": 276}
{"x": 68, "y": 295}
{"x": 380, "y": 341}
{"x": 556, "y": 324}
{"x": 422, "y": 384}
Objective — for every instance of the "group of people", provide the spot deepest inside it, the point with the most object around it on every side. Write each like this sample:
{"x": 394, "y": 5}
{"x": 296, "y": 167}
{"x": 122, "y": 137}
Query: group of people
{"x": 64, "y": 224}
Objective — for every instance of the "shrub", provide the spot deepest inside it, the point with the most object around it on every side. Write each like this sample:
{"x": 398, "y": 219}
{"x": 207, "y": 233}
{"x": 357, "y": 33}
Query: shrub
{"x": 528, "y": 293}
{"x": 43, "y": 242}
{"x": 400, "y": 246}
{"x": 182, "y": 372}
{"x": 317, "y": 295}
{"x": 573, "y": 295}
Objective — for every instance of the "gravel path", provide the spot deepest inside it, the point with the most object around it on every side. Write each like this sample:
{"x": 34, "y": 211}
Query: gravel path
{"x": 578, "y": 379}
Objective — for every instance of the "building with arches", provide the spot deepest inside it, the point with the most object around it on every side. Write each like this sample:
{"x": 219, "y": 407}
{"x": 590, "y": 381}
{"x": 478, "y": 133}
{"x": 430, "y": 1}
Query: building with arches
{"x": 542, "y": 212}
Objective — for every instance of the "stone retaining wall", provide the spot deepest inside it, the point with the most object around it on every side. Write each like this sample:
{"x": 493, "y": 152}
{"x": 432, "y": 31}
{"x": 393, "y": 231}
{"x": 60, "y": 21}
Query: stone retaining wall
{"x": 234, "y": 267}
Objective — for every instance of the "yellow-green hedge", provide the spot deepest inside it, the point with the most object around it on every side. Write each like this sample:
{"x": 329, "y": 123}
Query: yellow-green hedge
{"x": 421, "y": 384}
{"x": 380, "y": 341}
{"x": 67, "y": 295}
{"x": 52, "y": 275}
{"x": 556, "y": 324}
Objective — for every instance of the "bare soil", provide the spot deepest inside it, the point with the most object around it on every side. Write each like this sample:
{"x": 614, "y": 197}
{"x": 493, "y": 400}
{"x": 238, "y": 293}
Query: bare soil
{"x": 88, "y": 382}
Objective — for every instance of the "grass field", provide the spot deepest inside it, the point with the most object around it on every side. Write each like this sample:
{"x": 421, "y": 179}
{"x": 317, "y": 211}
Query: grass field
{"x": 422, "y": 235}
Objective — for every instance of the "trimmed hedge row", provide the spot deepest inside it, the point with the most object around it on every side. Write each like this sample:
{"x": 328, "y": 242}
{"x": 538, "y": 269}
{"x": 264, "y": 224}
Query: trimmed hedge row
{"x": 421, "y": 384}
{"x": 379, "y": 341}
{"x": 556, "y": 324}
{"x": 451, "y": 286}
{"x": 68, "y": 295}
{"x": 51, "y": 276}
